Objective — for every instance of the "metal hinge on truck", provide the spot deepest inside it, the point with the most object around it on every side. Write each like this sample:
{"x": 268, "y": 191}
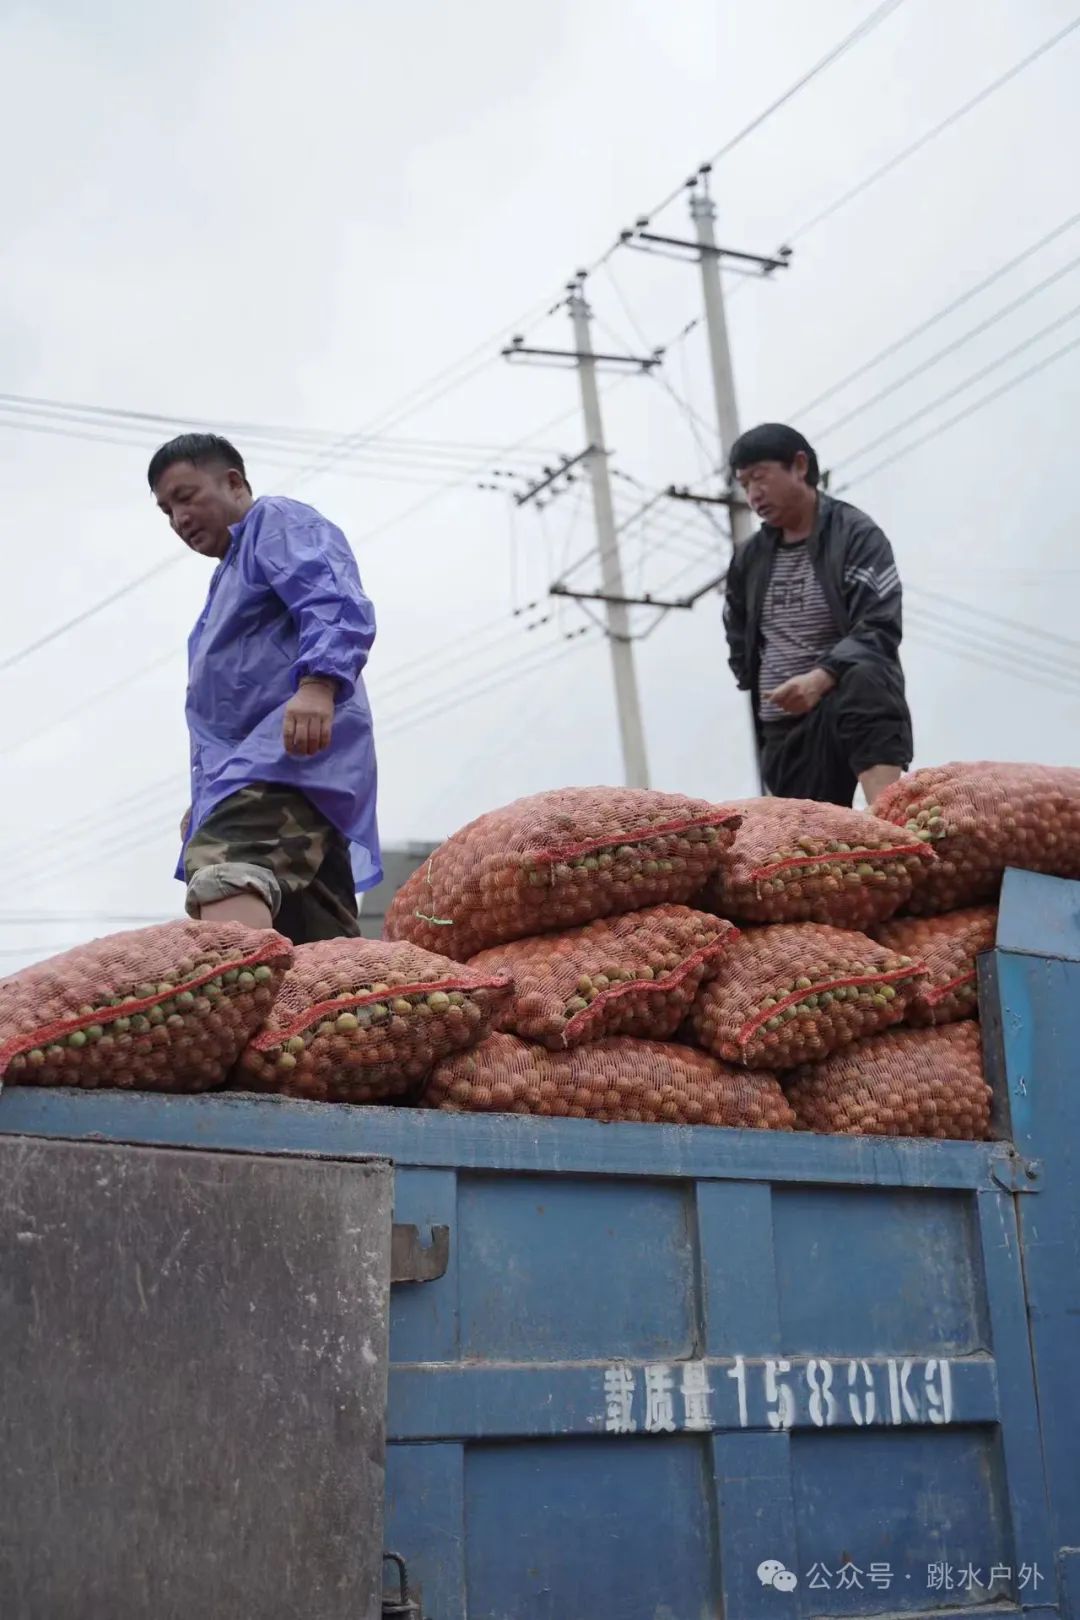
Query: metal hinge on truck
{"x": 404, "y": 1606}
{"x": 1015, "y": 1174}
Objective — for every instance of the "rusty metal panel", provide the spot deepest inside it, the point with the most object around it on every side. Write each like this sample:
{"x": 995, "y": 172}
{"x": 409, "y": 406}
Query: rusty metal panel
{"x": 192, "y": 1383}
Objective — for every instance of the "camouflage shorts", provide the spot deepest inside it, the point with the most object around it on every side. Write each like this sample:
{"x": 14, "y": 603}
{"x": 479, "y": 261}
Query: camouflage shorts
{"x": 272, "y": 841}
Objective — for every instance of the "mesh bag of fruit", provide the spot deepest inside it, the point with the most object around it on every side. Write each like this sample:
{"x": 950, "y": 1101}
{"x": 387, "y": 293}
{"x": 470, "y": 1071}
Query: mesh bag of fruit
{"x": 558, "y": 859}
{"x": 981, "y": 818}
{"x": 793, "y": 992}
{"x": 614, "y": 1079}
{"x": 794, "y": 860}
{"x": 948, "y": 946}
{"x": 908, "y": 1082}
{"x": 636, "y": 974}
{"x": 359, "y": 1020}
{"x": 168, "y": 1008}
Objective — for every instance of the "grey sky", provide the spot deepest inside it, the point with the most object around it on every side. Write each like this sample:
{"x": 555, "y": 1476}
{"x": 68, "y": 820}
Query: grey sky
{"x": 296, "y": 216}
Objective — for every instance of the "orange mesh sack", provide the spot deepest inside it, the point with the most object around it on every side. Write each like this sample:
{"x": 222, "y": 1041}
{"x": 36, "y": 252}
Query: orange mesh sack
{"x": 558, "y": 859}
{"x": 981, "y": 818}
{"x": 795, "y": 992}
{"x": 909, "y": 1082}
{"x": 162, "y": 1009}
{"x": 357, "y": 1020}
{"x": 948, "y": 946}
{"x": 614, "y": 1079}
{"x": 632, "y": 975}
{"x": 794, "y": 860}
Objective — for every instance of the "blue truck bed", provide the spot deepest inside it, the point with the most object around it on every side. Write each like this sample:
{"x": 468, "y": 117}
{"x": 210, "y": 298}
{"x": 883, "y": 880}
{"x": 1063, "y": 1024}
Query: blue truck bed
{"x": 676, "y": 1373}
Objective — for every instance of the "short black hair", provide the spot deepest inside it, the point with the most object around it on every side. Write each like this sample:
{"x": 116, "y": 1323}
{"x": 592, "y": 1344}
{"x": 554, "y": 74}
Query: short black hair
{"x": 198, "y": 448}
{"x": 774, "y": 441}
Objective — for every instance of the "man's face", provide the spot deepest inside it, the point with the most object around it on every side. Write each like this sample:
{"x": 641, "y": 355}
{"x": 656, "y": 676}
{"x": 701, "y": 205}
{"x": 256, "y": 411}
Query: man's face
{"x": 201, "y": 502}
{"x": 775, "y": 492}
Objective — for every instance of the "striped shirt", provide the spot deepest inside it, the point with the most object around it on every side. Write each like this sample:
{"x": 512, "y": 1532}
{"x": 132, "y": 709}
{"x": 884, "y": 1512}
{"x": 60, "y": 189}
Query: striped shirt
{"x": 797, "y": 628}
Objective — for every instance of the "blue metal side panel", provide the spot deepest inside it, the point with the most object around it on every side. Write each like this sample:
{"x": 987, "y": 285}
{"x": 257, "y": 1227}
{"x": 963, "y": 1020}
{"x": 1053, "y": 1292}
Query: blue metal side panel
{"x": 577, "y": 1528}
{"x": 425, "y": 1514}
{"x": 1040, "y": 1033}
{"x": 237, "y": 1122}
{"x": 517, "y": 1239}
{"x": 850, "y": 1240}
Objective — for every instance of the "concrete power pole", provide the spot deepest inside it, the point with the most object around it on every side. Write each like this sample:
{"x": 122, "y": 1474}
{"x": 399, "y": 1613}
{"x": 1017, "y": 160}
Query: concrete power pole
{"x": 709, "y": 254}
{"x": 624, "y": 669}
{"x": 703, "y": 214}
{"x": 612, "y": 592}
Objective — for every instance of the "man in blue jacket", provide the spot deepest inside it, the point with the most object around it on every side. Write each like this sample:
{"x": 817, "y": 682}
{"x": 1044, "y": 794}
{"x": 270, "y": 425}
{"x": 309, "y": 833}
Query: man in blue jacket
{"x": 813, "y": 614}
{"x": 282, "y": 824}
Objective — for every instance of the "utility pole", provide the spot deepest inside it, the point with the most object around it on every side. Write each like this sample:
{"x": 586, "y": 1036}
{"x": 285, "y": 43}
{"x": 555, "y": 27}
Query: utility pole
{"x": 709, "y": 255}
{"x": 616, "y": 603}
{"x": 703, "y": 214}
{"x": 623, "y": 665}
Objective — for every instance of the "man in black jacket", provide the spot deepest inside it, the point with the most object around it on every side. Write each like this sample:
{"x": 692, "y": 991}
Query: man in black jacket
{"x": 813, "y": 620}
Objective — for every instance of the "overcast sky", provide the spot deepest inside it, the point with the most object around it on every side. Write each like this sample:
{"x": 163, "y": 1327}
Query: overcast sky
{"x": 299, "y": 216}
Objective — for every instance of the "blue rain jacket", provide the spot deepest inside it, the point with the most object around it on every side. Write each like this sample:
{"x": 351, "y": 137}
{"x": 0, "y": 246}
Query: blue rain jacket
{"x": 285, "y": 601}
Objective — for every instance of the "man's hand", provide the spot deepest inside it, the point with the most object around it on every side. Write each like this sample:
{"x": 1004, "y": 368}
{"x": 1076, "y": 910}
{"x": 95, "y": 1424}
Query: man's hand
{"x": 803, "y": 692}
{"x": 185, "y": 825}
{"x": 309, "y": 716}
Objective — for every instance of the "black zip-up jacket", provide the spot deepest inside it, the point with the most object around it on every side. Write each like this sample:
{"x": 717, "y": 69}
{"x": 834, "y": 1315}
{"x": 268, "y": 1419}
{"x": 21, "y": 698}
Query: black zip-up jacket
{"x": 855, "y": 565}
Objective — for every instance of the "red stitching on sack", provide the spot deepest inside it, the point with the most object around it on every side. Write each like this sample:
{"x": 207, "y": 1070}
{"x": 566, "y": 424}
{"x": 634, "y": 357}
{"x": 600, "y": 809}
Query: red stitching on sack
{"x": 932, "y": 997}
{"x": 723, "y": 818}
{"x": 750, "y": 1029}
{"x": 47, "y": 1034}
{"x": 643, "y": 986}
{"x": 311, "y": 1015}
{"x": 866, "y": 856}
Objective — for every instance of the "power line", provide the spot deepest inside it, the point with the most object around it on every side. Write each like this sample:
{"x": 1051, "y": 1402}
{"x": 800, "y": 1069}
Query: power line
{"x": 384, "y": 469}
{"x": 1037, "y": 632}
{"x": 443, "y": 381}
{"x": 580, "y": 638}
{"x": 44, "y": 838}
{"x": 88, "y": 613}
{"x": 463, "y": 685}
{"x": 77, "y": 831}
{"x": 475, "y": 631}
{"x": 1004, "y": 648}
{"x": 434, "y": 388}
{"x": 938, "y": 129}
{"x": 860, "y": 32}
{"x": 439, "y": 489}
{"x": 508, "y": 673}
{"x": 953, "y": 421}
{"x": 430, "y": 665}
{"x": 456, "y": 484}
{"x": 401, "y": 676}
{"x": 1050, "y": 665}
{"x": 958, "y": 388}
{"x": 949, "y": 348}
{"x": 91, "y": 701}
{"x": 695, "y": 421}
{"x": 447, "y": 380}
{"x": 973, "y": 652}
{"x": 939, "y": 315}
{"x": 328, "y": 459}
{"x": 106, "y": 852}
{"x": 655, "y": 510}
{"x": 277, "y": 434}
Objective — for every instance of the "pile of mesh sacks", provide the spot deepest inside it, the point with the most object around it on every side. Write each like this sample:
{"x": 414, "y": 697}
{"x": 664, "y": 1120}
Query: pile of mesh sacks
{"x": 607, "y": 954}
